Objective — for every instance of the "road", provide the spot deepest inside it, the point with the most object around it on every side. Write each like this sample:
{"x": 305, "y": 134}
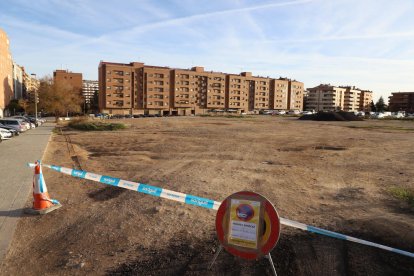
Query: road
{"x": 16, "y": 178}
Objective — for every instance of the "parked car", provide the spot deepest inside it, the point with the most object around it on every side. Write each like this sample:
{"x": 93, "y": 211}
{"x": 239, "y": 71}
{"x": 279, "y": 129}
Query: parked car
{"x": 15, "y": 123}
{"x": 293, "y": 112}
{"x": 307, "y": 112}
{"x": 26, "y": 125}
{"x": 26, "y": 120}
{"x": 102, "y": 116}
{"x": 378, "y": 115}
{"x": 117, "y": 116}
{"x": 11, "y": 129}
{"x": 398, "y": 115}
{"x": 279, "y": 112}
{"x": 5, "y": 134}
{"x": 35, "y": 121}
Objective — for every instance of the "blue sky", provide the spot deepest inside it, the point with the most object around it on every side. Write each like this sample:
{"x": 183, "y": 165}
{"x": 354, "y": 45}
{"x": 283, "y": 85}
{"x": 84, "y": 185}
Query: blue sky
{"x": 366, "y": 43}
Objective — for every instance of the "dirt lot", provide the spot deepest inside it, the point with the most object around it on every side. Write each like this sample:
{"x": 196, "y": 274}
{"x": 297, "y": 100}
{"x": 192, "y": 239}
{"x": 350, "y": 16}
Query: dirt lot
{"x": 335, "y": 175}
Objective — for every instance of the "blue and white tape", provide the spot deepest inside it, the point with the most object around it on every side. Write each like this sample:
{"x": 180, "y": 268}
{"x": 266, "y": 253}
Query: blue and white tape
{"x": 206, "y": 203}
{"x": 138, "y": 187}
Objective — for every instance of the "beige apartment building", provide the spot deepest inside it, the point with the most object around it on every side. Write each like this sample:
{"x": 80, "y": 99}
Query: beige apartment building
{"x": 280, "y": 97}
{"x": 351, "y": 99}
{"x": 295, "y": 95}
{"x": 30, "y": 86}
{"x": 365, "y": 100}
{"x": 237, "y": 98}
{"x": 326, "y": 97}
{"x": 6, "y": 71}
{"x": 136, "y": 88}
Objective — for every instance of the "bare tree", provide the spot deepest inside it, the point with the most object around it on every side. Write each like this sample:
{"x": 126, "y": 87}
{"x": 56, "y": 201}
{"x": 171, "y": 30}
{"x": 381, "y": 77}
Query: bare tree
{"x": 58, "y": 98}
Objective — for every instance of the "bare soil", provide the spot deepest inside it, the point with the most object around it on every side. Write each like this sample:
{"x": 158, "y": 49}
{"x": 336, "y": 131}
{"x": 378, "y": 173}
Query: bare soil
{"x": 334, "y": 175}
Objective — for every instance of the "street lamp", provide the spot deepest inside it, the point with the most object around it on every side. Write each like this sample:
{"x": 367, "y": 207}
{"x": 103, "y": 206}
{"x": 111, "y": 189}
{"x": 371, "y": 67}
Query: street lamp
{"x": 35, "y": 98}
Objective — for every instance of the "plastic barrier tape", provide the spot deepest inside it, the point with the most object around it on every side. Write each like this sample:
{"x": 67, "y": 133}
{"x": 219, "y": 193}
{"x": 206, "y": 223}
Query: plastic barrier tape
{"x": 204, "y": 202}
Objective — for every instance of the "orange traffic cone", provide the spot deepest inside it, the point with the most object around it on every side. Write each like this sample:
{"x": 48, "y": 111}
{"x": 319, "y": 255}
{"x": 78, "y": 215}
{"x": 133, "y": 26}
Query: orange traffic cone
{"x": 42, "y": 203}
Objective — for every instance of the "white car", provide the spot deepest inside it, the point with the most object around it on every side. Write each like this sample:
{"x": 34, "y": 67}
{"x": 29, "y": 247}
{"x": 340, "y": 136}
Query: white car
{"x": 5, "y": 134}
{"x": 280, "y": 112}
{"x": 379, "y": 116}
{"x": 307, "y": 112}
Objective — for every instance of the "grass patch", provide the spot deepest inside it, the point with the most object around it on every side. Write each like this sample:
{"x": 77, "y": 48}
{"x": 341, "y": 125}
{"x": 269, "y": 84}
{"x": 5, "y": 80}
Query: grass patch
{"x": 95, "y": 126}
{"x": 403, "y": 194}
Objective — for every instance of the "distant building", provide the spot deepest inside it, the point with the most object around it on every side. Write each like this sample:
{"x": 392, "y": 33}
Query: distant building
{"x": 17, "y": 81}
{"x": 30, "y": 86}
{"x": 6, "y": 71}
{"x": 365, "y": 100}
{"x": 136, "y": 88}
{"x": 326, "y": 97}
{"x": 280, "y": 98}
{"x": 295, "y": 95}
{"x": 90, "y": 90}
{"x": 65, "y": 76}
{"x": 401, "y": 101}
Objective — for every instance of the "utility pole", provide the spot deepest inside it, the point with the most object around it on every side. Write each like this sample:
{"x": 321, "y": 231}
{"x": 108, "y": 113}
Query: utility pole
{"x": 35, "y": 98}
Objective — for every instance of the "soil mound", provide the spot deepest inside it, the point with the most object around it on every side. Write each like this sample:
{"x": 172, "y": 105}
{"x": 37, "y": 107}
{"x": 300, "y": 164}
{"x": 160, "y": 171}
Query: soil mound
{"x": 332, "y": 116}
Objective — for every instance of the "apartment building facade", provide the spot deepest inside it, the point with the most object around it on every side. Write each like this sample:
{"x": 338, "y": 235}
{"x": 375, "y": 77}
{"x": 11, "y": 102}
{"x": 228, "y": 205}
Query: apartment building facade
{"x": 90, "y": 88}
{"x": 237, "y": 98}
{"x": 326, "y": 97}
{"x": 18, "y": 73}
{"x": 67, "y": 77}
{"x": 136, "y": 88}
{"x": 401, "y": 101}
{"x": 30, "y": 86}
{"x": 365, "y": 100}
{"x": 280, "y": 97}
{"x": 6, "y": 72}
{"x": 295, "y": 95}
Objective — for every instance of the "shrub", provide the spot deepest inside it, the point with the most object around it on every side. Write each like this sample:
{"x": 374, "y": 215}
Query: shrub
{"x": 404, "y": 194}
{"x": 95, "y": 126}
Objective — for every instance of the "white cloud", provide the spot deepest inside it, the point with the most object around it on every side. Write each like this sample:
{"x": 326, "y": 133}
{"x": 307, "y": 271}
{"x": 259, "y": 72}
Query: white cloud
{"x": 364, "y": 43}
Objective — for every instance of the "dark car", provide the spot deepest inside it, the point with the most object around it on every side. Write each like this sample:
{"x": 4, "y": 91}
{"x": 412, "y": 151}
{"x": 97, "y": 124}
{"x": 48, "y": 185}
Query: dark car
{"x": 11, "y": 129}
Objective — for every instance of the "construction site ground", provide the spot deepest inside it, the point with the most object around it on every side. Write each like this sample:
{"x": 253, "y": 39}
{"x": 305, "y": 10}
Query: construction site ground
{"x": 334, "y": 175}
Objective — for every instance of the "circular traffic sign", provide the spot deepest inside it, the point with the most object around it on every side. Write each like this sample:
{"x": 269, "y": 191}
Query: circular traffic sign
{"x": 247, "y": 225}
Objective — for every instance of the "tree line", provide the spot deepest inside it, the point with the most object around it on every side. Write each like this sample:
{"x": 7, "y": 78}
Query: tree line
{"x": 379, "y": 106}
{"x": 54, "y": 98}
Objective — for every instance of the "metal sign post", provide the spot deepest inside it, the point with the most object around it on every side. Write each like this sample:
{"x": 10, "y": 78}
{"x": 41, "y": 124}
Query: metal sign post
{"x": 248, "y": 227}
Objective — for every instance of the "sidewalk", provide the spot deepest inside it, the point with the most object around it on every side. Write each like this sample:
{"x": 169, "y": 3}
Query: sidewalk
{"x": 16, "y": 178}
